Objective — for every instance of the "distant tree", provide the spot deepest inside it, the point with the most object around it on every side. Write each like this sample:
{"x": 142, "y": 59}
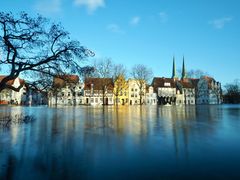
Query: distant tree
{"x": 103, "y": 68}
{"x": 232, "y": 94}
{"x": 142, "y": 74}
{"x": 119, "y": 70}
{"x": 193, "y": 73}
{"x": 32, "y": 45}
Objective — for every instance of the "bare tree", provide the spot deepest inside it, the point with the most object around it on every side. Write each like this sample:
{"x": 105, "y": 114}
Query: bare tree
{"x": 142, "y": 74}
{"x": 232, "y": 93}
{"x": 32, "y": 45}
{"x": 103, "y": 68}
{"x": 119, "y": 70}
{"x": 193, "y": 73}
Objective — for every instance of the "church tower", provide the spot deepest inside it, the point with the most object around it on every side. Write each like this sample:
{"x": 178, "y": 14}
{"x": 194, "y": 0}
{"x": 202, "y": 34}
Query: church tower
{"x": 174, "y": 74}
{"x": 184, "y": 73}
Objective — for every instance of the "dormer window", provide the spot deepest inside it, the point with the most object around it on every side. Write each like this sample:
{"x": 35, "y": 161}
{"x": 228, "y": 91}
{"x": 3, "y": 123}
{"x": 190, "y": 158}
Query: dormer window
{"x": 167, "y": 84}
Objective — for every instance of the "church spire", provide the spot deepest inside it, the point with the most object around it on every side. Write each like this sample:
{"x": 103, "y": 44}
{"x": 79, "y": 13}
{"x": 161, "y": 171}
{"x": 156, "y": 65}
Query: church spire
{"x": 184, "y": 74}
{"x": 174, "y": 74}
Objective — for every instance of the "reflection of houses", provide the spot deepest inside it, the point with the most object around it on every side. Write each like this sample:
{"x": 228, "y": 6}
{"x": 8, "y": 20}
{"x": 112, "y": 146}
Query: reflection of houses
{"x": 98, "y": 91}
{"x": 66, "y": 90}
{"x": 136, "y": 91}
{"x": 151, "y": 96}
{"x": 209, "y": 91}
{"x": 8, "y": 96}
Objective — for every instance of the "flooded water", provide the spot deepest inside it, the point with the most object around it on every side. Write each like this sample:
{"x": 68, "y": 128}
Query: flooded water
{"x": 129, "y": 142}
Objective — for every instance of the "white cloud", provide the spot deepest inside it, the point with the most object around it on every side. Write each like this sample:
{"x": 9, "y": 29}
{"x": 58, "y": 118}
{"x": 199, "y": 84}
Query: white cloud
{"x": 46, "y": 6}
{"x": 163, "y": 17}
{"x": 91, "y": 5}
{"x": 115, "y": 28}
{"x": 220, "y": 23}
{"x": 135, "y": 20}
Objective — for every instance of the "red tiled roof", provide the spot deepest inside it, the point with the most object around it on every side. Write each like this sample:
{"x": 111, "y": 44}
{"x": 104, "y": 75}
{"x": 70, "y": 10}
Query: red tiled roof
{"x": 98, "y": 83}
{"x": 187, "y": 83}
{"x": 63, "y": 80}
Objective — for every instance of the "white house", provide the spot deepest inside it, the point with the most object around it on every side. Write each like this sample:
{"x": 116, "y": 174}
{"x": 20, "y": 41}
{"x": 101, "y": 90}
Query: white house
{"x": 66, "y": 90}
{"x": 98, "y": 91}
{"x": 151, "y": 96}
{"x": 9, "y": 96}
{"x": 208, "y": 91}
{"x": 136, "y": 91}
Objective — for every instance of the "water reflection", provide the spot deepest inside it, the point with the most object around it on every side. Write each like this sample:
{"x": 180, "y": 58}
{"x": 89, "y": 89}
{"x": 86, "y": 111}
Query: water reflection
{"x": 133, "y": 142}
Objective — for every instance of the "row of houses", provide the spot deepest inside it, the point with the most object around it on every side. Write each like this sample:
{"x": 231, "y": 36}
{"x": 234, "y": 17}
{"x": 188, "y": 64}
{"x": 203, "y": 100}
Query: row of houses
{"x": 68, "y": 90}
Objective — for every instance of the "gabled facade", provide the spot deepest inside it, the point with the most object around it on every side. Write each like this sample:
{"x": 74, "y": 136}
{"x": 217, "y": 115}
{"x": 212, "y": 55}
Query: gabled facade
{"x": 98, "y": 91}
{"x": 187, "y": 90}
{"x": 209, "y": 91}
{"x": 66, "y": 90}
{"x": 8, "y": 96}
{"x": 151, "y": 96}
{"x": 136, "y": 92}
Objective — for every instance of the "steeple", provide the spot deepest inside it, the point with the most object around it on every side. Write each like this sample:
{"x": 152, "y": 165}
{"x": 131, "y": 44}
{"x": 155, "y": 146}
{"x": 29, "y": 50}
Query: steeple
{"x": 174, "y": 74}
{"x": 184, "y": 74}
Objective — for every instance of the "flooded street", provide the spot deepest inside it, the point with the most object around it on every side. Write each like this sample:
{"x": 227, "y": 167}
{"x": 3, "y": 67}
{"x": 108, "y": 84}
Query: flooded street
{"x": 129, "y": 142}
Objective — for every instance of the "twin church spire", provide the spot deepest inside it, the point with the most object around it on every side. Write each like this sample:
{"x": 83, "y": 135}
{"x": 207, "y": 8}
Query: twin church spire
{"x": 174, "y": 74}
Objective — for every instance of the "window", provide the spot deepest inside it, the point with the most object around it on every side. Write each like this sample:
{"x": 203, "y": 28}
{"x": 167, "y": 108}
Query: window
{"x": 135, "y": 89}
{"x": 69, "y": 93}
{"x": 132, "y": 89}
{"x": 167, "y": 84}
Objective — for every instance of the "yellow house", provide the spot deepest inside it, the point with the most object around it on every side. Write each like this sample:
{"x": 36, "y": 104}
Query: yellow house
{"x": 120, "y": 90}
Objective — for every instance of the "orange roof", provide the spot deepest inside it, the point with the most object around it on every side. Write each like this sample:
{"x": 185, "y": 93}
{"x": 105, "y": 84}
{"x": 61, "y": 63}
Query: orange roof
{"x": 62, "y": 80}
{"x": 10, "y": 83}
{"x": 209, "y": 80}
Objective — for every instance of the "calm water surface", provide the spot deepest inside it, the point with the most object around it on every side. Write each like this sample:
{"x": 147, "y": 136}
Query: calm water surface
{"x": 131, "y": 142}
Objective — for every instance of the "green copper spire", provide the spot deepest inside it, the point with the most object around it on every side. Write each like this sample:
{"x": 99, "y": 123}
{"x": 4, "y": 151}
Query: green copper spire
{"x": 174, "y": 74}
{"x": 184, "y": 73}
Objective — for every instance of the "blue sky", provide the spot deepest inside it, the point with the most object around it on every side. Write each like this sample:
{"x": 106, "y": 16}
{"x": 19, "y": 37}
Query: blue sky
{"x": 151, "y": 31}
